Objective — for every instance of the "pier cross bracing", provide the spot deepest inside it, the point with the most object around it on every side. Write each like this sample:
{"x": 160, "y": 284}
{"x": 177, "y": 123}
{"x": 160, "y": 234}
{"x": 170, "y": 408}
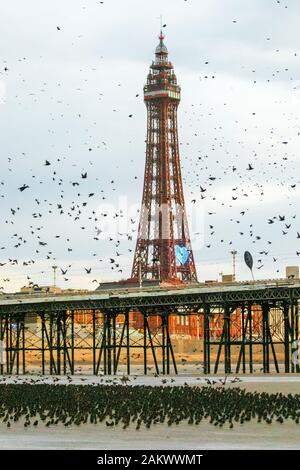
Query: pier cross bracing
{"x": 240, "y": 328}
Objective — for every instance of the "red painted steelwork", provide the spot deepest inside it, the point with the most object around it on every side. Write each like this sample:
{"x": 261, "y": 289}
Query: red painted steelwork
{"x": 163, "y": 221}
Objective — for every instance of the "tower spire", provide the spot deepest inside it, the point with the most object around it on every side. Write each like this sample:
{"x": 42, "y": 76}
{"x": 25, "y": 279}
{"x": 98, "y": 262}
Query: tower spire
{"x": 163, "y": 250}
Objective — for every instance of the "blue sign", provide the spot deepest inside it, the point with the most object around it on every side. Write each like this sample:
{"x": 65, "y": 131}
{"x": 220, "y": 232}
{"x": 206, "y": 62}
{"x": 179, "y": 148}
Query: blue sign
{"x": 182, "y": 254}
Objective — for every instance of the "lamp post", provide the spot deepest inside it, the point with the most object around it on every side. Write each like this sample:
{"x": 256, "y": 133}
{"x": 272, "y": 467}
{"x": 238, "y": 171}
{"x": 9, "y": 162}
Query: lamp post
{"x": 234, "y": 253}
{"x": 54, "y": 275}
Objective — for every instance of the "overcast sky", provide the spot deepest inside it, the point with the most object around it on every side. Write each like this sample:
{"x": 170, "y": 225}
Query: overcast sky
{"x": 70, "y": 73}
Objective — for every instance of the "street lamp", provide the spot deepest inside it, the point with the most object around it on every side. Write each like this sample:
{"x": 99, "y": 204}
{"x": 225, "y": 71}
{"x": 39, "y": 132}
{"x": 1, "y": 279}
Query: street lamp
{"x": 54, "y": 275}
{"x": 234, "y": 253}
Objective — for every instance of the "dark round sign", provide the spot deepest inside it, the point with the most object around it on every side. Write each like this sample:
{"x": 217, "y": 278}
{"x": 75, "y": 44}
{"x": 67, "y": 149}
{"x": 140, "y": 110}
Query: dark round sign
{"x": 248, "y": 259}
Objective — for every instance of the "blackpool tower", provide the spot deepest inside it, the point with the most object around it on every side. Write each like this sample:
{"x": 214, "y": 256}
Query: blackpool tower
{"x": 163, "y": 249}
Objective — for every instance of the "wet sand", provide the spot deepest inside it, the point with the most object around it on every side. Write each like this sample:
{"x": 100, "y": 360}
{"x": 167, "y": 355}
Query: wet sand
{"x": 262, "y": 383}
{"x": 203, "y": 436}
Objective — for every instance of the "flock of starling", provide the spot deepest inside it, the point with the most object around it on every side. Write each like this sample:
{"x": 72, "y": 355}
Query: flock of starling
{"x": 141, "y": 406}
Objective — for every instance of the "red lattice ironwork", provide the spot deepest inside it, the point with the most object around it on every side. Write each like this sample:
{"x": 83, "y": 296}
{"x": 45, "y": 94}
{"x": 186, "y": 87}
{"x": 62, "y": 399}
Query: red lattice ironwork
{"x": 163, "y": 250}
